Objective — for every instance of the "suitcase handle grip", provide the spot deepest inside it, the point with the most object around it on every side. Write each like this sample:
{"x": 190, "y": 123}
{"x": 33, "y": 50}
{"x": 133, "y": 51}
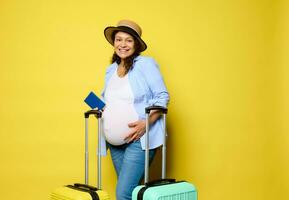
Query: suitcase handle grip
{"x": 88, "y": 189}
{"x": 160, "y": 182}
{"x": 84, "y": 186}
{"x": 159, "y": 108}
{"x": 97, "y": 113}
{"x": 163, "y": 111}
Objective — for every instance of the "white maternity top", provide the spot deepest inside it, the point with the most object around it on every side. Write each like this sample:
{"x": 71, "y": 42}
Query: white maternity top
{"x": 119, "y": 110}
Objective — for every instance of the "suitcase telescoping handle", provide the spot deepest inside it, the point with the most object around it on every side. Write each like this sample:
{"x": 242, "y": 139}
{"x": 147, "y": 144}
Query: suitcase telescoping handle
{"x": 98, "y": 115}
{"x": 164, "y": 111}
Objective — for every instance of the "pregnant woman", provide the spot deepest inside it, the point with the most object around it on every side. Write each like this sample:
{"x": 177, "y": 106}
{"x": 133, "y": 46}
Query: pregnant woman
{"x": 132, "y": 82}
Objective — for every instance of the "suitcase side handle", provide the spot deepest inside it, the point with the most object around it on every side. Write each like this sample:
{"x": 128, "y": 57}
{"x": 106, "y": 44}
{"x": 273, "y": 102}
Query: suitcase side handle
{"x": 93, "y": 194}
{"x": 79, "y": 185}
{"x": 160, "y": 182}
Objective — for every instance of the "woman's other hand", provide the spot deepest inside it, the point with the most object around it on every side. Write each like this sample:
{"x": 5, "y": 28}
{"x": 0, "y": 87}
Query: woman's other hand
{"x": 138, "y": 129}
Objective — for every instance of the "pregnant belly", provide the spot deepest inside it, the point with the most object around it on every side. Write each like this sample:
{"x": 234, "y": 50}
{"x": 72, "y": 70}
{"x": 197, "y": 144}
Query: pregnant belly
{"x": 116, "y": 119}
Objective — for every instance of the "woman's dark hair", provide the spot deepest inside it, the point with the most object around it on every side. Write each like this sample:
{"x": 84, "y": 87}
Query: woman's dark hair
{"x": 128, "y": 62}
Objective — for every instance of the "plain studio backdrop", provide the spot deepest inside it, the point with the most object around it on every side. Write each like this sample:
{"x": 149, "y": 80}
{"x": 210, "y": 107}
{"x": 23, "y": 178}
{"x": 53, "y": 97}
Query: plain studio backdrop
{"x": 225, "y": 64}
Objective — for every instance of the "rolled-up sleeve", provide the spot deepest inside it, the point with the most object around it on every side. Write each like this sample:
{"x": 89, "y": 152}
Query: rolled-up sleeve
{"x": 155, "y": 81}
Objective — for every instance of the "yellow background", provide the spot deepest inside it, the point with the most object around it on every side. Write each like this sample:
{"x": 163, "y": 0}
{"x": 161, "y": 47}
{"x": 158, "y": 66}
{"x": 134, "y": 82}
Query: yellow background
{"x": 225, "y": 64}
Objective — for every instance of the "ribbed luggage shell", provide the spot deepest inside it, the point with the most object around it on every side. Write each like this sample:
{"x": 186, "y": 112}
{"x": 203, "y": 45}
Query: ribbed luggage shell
{"x": 173, "y": 191}
{"x": 65, "y": 193}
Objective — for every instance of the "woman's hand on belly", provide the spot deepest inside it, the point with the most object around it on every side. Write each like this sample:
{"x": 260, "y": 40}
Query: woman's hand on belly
{"x": 138, "y": 129}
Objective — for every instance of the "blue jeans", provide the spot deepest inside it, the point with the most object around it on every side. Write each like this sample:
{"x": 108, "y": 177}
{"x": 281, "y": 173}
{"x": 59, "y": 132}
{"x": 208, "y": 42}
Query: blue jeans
{"x": 128, "y": 161}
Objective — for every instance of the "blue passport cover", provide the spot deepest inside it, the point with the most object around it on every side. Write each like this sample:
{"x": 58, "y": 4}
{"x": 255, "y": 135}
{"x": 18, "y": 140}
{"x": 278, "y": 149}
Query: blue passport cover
{"x": 94, "y": 102}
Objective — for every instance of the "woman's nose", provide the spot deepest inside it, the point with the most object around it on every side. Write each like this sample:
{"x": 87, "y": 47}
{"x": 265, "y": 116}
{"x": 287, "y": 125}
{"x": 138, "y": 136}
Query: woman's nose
{"x": 123, "y": 44}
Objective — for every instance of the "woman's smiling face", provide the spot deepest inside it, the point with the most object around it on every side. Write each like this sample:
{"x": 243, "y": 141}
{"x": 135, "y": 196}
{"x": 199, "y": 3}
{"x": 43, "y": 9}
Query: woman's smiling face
{"x": 123, "y": 44}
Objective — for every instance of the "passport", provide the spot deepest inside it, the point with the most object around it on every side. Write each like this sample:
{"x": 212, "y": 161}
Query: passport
{"x": 94, "y": 101}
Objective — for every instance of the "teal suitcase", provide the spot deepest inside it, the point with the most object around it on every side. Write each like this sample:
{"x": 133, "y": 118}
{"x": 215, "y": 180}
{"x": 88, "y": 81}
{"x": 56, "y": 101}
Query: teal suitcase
{"x": 163, "y": 189}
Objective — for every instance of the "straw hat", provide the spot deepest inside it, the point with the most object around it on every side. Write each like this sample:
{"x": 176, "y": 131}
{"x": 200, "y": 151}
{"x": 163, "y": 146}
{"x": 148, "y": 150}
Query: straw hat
{"x": 127, "y": 26}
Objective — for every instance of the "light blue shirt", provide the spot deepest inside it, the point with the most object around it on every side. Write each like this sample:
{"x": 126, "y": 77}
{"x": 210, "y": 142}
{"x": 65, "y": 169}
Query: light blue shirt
{"x": 149, "y": 89}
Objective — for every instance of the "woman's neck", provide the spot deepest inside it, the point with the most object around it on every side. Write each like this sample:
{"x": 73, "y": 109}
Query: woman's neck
{"x": 121, "y": 71}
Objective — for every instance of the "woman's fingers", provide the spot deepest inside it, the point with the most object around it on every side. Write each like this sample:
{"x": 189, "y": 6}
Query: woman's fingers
{"x": 133, "y": 136}
{"x": 138, "y": 129}
{"x": 133, "y": 124}
{"x": 129, "y": 135}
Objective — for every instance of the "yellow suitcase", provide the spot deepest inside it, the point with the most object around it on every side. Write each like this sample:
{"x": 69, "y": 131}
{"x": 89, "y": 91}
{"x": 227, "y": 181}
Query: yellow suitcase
{"x": 79, "y": 191}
